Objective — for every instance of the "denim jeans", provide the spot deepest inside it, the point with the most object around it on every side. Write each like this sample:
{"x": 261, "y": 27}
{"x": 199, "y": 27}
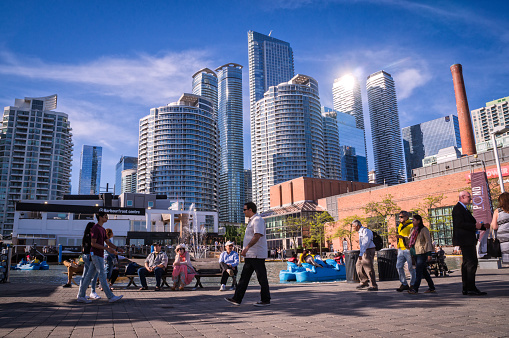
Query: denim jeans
{"x": 142, "y": 272}
{"x": 405, "y": 256}
{"x": 421, "y": 268}
{"x": 88, "y": 261}
{"x": 97, "y": 265}
{"x": 108, "y": 265}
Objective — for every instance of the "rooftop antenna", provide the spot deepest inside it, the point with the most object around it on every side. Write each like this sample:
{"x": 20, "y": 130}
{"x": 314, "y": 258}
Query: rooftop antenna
{"x": 270, "y": 33}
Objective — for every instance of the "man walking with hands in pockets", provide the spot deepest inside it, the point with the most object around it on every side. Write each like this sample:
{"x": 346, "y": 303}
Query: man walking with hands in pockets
{"x": 255, "y": 253}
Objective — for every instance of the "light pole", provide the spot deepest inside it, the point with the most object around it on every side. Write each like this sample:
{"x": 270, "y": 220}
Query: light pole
{"x": 497, "y": 131}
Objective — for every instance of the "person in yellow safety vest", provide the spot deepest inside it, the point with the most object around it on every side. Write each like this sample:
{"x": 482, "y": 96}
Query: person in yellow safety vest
{"x": 404, "y": 229}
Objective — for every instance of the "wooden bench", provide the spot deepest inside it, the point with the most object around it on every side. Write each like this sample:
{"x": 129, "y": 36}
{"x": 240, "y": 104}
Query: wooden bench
{"x": 121, "y": 270}
{"x": 166, "y": 274}
{"x": 206, "y": 273}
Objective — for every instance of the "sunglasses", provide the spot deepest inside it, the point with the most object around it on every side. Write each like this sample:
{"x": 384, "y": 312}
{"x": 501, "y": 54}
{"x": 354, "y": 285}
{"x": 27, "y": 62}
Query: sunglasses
{"x": 244, "y": 209}
{"x": 182, "y": 249}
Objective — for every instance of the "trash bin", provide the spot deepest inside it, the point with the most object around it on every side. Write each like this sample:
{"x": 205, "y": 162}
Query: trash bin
{"x": 386, "y": 259}
{"x": 351, "y": 257}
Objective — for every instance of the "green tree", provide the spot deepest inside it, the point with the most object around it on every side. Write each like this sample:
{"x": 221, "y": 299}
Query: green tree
{"x": 317, "y": 227}
{"x": 293, "y": 228}
{"x": 378, "y": 215}
{"x": 424, "y": 208}
{"x": 235, "y": 233}
{"x": 346, "y": 230}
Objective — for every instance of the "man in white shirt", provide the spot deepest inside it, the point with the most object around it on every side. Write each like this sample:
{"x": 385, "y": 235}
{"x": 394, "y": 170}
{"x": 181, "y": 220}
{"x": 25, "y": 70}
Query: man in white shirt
{"x": 255, "y": 253}
{"x": 364, "y": 265}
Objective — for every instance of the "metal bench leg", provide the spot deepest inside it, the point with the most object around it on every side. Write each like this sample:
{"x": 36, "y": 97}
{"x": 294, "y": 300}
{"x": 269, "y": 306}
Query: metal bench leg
{"x": 165, "y": 282}
{"x": 131, "y": 282}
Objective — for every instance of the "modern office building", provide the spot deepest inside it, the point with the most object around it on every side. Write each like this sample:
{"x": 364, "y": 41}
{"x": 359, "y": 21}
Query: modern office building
{"x": 385, "y": 129}
{"x": 270, "y": 63}
{"x": 35, "y": 155}
{"x": 496, "y": 113}
{"x": 128, "y": 182}
{"x": 427, "y": 138}
{"x": 205, "y": 85}
{"x": 126, "y": 162}
{"x": 332, "y": 144}
{"x": 287, "y": 136}
{"x": 177, "y": 153}
{"x": 90, "y": 170}
{"x": 248, "y": 186}
{"x": 231, "y": 144}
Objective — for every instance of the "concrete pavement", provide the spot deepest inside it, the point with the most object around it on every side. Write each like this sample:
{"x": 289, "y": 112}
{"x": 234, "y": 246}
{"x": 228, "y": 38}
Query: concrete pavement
{"x": 308, "y": 310}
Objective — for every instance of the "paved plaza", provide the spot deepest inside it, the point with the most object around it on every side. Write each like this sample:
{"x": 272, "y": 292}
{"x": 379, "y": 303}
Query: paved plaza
{"x": 308, "y": 310}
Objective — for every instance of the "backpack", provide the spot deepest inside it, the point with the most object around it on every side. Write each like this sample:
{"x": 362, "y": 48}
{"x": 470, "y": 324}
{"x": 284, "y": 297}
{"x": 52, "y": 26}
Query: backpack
{"x": 378, "y": 241}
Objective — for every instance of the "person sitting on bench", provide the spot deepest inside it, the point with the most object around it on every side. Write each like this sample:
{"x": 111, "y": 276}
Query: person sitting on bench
{"x": 74, "y": 267}
{"x": 155, "y": 263}
{"x": 228, "y": 262}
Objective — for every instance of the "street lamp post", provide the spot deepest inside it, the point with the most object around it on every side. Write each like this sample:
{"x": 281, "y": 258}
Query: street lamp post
{"x": 497, "y": 131}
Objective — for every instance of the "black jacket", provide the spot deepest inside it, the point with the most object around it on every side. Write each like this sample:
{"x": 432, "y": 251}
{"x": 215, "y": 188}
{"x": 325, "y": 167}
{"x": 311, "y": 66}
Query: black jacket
{"x": 463, "y": 230}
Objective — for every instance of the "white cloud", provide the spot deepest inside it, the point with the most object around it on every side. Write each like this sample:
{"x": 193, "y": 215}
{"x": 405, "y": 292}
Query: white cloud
{"x": 408, "y": 80}
{"x": 144, "y": 78}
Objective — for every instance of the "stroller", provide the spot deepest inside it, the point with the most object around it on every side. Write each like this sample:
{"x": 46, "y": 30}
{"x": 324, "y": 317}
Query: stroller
{"x": 437, "y": 264}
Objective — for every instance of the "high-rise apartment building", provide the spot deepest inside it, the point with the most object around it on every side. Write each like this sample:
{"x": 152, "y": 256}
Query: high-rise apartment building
{"x": 205, "y": 85}
{"x": 90, "y": 170}
{"x": 331, "y": 144}
{"x": 177, "y": 152}
{"x": 385, "y": 129}
{"x": 128, "y": 183}
{"x": 230, "y": 126}
{"x": 346, "y": 97}
{"x": 270, "y": 63}
{"x": 35, "y": 155}
{"x": 496, "y": 113}
{"x": 351, "y": 147}
{"x": 427, "y": 138}
{"x": 248, "y": 186}
{"x": 126, "y": 162}
{"x": 287, "y": 136}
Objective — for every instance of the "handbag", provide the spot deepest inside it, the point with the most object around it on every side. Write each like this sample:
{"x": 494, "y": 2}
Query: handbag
{"x": 494, "y": 245}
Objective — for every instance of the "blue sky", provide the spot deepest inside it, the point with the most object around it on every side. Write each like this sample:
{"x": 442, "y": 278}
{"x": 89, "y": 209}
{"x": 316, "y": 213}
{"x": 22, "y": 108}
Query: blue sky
{"x": 111, "y": 61}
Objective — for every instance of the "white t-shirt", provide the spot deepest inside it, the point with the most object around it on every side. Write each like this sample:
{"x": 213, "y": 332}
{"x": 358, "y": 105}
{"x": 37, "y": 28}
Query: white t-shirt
{"x": 256, "y": 225}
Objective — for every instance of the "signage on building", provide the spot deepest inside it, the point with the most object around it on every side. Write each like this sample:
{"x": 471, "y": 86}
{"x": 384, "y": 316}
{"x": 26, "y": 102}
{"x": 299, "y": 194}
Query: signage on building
{"x": 481, "y": 199}
{"x": 492, "y": 173}
{"x": 78, "y": 209}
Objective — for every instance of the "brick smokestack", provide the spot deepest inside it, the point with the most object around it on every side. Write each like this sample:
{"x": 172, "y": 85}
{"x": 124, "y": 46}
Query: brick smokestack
{"x": 465, "y": 122}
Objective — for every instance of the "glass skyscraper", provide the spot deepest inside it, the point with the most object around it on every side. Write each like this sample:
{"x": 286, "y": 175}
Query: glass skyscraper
{"x": 177, "y": 152}
{"x": 427, "y": 138}
{"x": 385, "y": 129}
{"x": 351, "y": 146}
{"x": 90, "y": 170}
{"x": 126, "y": 162}
{"x": 346, "y": 96}
{"x": 231, "y": 162}
{"x": 205, "y": 85}
{"x": 35, "y": 155}
{"x": 288, "y": 139}
{"x": 332, "y": 144}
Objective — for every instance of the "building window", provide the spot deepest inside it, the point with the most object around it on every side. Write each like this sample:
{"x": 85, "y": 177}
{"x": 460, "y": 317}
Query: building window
{"x": 150, "y": 204}
{"x": 441, "y": 225}
{"x": 129, "y": 203}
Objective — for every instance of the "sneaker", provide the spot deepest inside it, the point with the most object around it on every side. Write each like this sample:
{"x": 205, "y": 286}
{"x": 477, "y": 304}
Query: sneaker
{"x": 260, "y": 303}
{"x": 430, "y": 291}
{"x": 83, "y": 300}
{"x": 361, "y": 286}
{"x": 222, "y": 288}
{"x": 94, "y": 295}
{"x": 115, "y": 298}
{"x": 403, "y": 287}
{"x": 371, "y": 288}
{"x": 231, "y": 301}
{"x": 230, "y": 272}
{"x": 232, "y": 288}
{"x": 68, "y": 285}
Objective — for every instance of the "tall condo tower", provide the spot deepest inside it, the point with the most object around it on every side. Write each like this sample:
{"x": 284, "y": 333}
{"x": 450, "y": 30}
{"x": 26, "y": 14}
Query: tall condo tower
{"x": 231, "y": 163}
{"x": 385, "y": 129}
{"x": 90, "y": 170}
{"x": 177, "y": 152}
{"x": 35, "y": 155}
{"x": 125, "y": 163}
{"x": 288, "y": 140}
{"x": 205, "y": 85}
{"x": 331, "y": 144}
{"x": 270, "y": 63}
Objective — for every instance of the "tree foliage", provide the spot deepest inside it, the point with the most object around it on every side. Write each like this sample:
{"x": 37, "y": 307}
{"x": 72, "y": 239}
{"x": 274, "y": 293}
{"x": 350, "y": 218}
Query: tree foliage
{"x": 378, "y": 214}
{"x": 428, "y": 203}
{"x": 235, "y": 233}
{"x": 293, "y": 227}
{"x": 346, "y": 230}
{"x": 317, "y": 227}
